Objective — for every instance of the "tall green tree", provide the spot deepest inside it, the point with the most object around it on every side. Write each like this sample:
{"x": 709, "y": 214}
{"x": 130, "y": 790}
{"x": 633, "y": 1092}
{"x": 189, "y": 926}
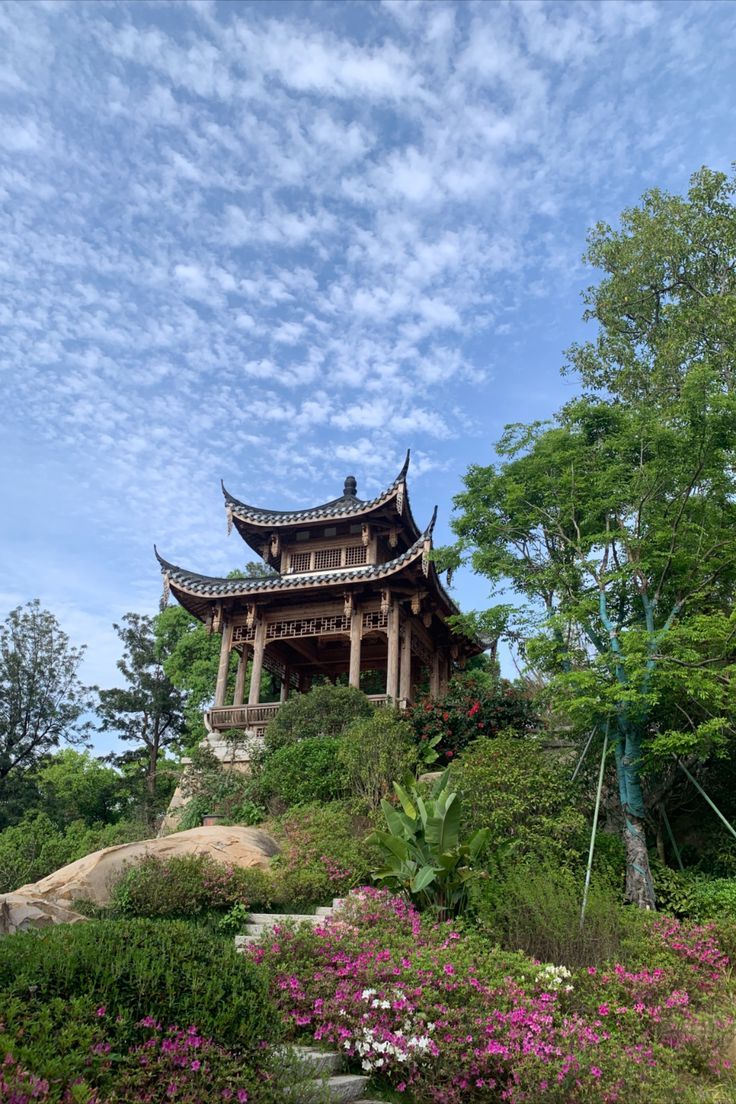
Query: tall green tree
{"x": 149, "y": 710}
{"x": 616, "y": 522}
{"x": 43, "y": 702}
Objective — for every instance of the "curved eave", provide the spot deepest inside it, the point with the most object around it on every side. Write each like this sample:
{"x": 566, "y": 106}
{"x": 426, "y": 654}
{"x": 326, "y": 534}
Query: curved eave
{"x": 255, "y": 520}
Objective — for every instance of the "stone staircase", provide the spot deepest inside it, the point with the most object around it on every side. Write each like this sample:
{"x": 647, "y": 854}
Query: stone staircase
{"x": 261, "y": 922}
{"x": 319, "y": 1077}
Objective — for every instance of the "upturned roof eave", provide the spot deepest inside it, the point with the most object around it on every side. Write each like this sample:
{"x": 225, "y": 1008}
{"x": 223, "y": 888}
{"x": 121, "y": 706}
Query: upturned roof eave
{"x": 256, "y": 520}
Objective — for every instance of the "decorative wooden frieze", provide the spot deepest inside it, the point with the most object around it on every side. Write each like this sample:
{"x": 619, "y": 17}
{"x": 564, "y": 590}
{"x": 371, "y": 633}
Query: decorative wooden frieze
{"x": 294, "y": 627}
{"x": 229, "y": 519}
{"x": 420, "y": 649}
{"x": 243, "y": 634}
{"x": 166, "y": 590}
{"x": 375, "y": 619}
{"x": 400, "y": 498}
{"x": 426, "y": 549}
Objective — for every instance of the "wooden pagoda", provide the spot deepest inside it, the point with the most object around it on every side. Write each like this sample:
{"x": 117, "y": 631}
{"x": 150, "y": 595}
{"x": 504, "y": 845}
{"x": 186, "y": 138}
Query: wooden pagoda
{"x": 352, "y": 588}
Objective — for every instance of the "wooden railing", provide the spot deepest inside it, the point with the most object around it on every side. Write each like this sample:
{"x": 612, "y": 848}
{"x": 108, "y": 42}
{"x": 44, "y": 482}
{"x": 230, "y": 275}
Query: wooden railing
{"x": 243, "y": 716}
{"x": 258, "y": 716}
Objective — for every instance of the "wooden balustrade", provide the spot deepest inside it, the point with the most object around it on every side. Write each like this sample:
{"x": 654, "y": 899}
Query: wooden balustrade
{"x": 258, "y": 716}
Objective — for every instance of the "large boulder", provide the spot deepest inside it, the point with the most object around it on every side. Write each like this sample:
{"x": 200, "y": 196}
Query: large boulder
{"x": 21, "y": 911}
{"x": 90, "y": 878}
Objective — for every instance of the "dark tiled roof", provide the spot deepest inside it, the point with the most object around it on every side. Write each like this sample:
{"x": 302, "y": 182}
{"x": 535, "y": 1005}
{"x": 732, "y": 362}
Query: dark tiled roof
{"x": 345, "y": 506}
{"x": 212, "y": 587}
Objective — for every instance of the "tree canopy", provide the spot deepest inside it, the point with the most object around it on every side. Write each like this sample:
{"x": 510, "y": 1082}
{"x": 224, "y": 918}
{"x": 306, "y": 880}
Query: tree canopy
{"x": 615, "y": 522}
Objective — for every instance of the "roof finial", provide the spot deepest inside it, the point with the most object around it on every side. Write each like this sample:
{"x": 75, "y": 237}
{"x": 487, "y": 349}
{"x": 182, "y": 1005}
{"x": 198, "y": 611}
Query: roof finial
{"x": 350, "y": 489}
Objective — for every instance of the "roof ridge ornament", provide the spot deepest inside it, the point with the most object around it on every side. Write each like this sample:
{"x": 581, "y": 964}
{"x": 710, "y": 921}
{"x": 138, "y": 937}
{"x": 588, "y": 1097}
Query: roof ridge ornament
{"x": 350, "y": 490}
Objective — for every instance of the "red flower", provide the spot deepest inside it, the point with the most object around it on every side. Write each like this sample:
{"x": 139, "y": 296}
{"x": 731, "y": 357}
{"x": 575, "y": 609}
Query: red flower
{"x": 445, "y": 716}
{"x": 474, "y": 709}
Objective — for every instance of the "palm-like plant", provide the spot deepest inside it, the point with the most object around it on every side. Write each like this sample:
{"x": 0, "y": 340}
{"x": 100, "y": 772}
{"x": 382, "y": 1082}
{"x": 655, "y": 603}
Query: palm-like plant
{"x": 425, "y": 858}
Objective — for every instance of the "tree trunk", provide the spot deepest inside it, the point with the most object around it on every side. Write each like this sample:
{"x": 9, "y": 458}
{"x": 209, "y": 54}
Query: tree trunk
{"x": 639, "y": 885}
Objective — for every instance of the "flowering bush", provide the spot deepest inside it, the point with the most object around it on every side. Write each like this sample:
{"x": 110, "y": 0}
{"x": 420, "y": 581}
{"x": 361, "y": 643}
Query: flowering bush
{"x": 185, "y": 886}
{"x": 473, "y": 706}
{"x": 441, "y": 1015}
{"x": 109, "y": 1060}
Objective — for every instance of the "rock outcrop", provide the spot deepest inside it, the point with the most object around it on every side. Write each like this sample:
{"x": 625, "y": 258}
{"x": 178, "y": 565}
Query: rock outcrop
{"x": 50, "y": 900}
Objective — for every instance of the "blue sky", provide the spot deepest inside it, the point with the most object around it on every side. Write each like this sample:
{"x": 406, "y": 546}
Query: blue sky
{"x": 277, "y": 243}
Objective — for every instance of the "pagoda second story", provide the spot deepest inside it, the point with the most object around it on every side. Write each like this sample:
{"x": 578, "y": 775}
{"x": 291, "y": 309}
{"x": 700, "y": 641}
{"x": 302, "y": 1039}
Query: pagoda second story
{"x": 349, "y": 593}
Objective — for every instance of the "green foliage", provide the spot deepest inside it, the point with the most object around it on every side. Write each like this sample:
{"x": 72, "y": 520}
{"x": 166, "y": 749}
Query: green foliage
{"x": 42, "y": 701}
{"x": 148, "y": 709}
{"x": 212, "y": 787}
{"x": 185, "y": 887}
{"x": 616, "y": 522}
{"x": 536, "y": 908}
{"x": 324, "y": 711}
{"x": 376, "y": 751}
{"x": 693, "y": 896}
{"x": 170, "y": 970}
{"x": 303, "y": 772}
{"x": 191, "y": 658}
{"x": 422, "y": 850}
{"x": 323, "y": 855}
{"x": 36, "y": 847}
{"x": 524, "y": 795}
{"x": 74, "y": 786}
{"x": 474, "y": 705}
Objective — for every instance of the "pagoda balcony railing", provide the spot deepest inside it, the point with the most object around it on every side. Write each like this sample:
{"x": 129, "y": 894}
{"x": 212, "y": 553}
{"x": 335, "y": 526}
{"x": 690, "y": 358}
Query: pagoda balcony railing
{"x": 257, "y": 716}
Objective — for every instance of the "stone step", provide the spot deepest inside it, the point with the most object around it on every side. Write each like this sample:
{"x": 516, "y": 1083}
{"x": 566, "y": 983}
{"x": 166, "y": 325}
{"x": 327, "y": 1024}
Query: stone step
{"x": 268, "y": 919}
{"x": 342, "y": 1088}
{"x": 313, "y": 1062}
{"x": 325, "y": 910}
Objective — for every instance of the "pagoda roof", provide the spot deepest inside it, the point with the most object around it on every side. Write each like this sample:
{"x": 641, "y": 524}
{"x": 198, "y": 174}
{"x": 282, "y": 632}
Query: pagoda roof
{"x": 210, "y": 586}
{"x": 347, "y": 506}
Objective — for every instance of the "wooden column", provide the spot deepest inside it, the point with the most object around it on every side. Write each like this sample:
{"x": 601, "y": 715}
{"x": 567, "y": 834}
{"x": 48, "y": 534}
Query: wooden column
{"x": 405, "y": 673}
{"x": 240, "y": 676}
{"x": 434, "y": 676}
{"x": 356, "y": 633}
{"x": 392, "y": 660}
{"x": 221, "y": 688}
{"x": 285, "y": 684}
{"x": 259, "y": 646}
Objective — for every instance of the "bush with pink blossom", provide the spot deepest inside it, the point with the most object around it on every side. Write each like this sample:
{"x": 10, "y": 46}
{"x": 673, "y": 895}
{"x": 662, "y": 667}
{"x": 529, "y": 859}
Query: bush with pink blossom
{"x": 439, "y": 1014}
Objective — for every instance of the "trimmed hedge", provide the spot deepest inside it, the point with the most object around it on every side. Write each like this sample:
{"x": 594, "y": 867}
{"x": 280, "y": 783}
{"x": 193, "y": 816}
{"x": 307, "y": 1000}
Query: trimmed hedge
{"x": 167, "y": 969}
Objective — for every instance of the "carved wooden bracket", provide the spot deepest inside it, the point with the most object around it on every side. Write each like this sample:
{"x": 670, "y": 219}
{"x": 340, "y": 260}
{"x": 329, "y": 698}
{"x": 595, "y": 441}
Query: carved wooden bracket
{"x": 393, "y": 537}
{"x": 416, "y": 604}
{"x": 229, "y": 520}
{"x": 250, "y": 618}
{"x": 385, "y": 601}
{"x": 349, "y": 606}
{"x": 425, "y": 557}
{"x": 217, "y": 618}
{"x": 400, "y": 498}
{"x": 365, "y": 535}
{"x": 275, "y": 544}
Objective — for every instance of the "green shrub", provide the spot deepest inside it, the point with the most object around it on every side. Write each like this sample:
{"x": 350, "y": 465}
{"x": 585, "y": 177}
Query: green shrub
{"x": 212, "y": 787}
{"x": 524, "y": 796}
{"x": 323, "y": 855}
{"x": 303, "y": 772}
{"x": 375, "y": 752}
{"x": 536, "y": 909}
{"x": 186, "y": 886}
{"x": 690, "y": 895}
{"x": 175, "y": 972}
{"x": 36, "y": 847}
{"x": 473, "y": 706}
{"x": 324, "y": 711}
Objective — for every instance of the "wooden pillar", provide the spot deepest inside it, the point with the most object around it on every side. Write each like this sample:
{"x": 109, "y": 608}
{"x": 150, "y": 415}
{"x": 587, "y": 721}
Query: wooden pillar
{"x": 392, "y": 659}
{"x": 405, "y": 673}
{"x": 285, "y": 683}
{"x": 221, "y": 688}
{"x": 434, "y": 676}
{"x": 240, "y": 676}
{"x": 356, "y": 633}
{"x": 444, "y": 674}
{"x": 259, "y": 646}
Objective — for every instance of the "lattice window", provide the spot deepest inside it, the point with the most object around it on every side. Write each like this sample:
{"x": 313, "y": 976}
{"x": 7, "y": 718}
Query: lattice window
{"x": 300, "y": 561}
{"x": 326, "y": 558}
{"x": 307, "y": 626}
{"x": 355, "y": 554}
{"x": 374, "y": 619}
{"x": 243, "y": 633}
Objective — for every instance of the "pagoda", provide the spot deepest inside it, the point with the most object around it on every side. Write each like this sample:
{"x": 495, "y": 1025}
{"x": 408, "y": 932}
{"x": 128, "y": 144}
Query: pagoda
{"x": 348, "y": 587}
